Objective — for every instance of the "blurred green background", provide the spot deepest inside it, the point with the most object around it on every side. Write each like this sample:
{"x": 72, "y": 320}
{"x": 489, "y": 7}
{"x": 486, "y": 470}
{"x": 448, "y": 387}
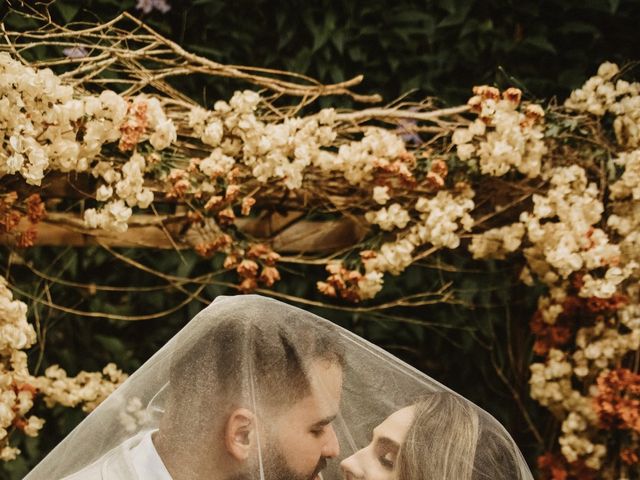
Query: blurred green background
{"x": 480, "y": 346}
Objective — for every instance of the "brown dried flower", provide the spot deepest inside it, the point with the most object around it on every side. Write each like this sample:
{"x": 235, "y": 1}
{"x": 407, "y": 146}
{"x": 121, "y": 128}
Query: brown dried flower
{"x": 269, "y": 276}
{"x": 247, "y": 203}
{"x": 247, "y": 268}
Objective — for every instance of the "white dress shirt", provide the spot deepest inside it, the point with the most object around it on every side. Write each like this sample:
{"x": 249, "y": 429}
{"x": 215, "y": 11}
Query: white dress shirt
{"x": 134, "y": 459}
{"x": 146, "y": 461}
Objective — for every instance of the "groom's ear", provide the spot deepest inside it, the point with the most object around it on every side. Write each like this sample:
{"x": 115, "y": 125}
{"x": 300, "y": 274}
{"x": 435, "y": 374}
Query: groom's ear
{"x": 239, "y": 433}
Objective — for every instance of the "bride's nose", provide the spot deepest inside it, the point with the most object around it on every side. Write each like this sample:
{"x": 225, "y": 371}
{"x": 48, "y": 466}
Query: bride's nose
{"x": 351, "y": 469}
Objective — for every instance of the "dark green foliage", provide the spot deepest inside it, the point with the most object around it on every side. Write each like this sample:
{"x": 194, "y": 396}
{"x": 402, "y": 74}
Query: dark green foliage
{"x": 438, "y": 47}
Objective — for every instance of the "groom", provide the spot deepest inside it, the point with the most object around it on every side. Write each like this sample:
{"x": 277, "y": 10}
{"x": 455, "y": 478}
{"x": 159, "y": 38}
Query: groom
{"x": 254, "y": 397}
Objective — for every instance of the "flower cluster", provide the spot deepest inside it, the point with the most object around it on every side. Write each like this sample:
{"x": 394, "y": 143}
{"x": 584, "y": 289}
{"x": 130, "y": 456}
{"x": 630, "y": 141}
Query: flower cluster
{"x": 19, "y": 388}
{"x": 270, "y": 150}
{"x": 561, "y": 228}
{"x": 121, "y": 191}
{"x": 133, "y": 415}
{"x": 551, "y": 386}
{"x": 389, "y": 218}
{"x": 576, "y": 327}
{"x": 600, "y": 95}
{"x": 49, "y": 126}
{"x": 16, "y": 384}
{"x": 497, "y": 242}
{"x": 618, "y": 400}
{"x": 439, "y": 220}
{"x": 254, "y": 265}
{"x": 350, "y": 284}
{"x": 504, "y": 137}
{"x": 88, "y": 389}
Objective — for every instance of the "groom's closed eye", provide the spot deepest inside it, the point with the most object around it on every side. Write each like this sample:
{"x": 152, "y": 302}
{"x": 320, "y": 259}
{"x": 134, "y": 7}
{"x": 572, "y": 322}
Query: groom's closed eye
{"x": 318, "y": 428}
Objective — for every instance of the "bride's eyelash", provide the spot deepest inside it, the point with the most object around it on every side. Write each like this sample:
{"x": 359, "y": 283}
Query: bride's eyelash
{"x": 386, "y": 462}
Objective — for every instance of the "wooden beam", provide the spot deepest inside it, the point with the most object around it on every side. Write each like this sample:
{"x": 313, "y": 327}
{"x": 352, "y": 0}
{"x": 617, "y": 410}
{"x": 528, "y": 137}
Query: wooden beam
{"x": 285, "y": 233}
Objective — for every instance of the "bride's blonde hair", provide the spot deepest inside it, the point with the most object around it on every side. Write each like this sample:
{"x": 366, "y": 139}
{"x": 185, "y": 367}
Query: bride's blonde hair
{"x": 450, "y": 440}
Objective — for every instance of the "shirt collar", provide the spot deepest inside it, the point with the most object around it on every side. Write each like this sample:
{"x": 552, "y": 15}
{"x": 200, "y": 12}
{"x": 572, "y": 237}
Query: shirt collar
{"x": 146, "y": 461}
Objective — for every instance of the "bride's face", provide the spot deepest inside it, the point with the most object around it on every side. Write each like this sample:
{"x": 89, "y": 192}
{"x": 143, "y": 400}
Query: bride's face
{"x": 377, "y": 460}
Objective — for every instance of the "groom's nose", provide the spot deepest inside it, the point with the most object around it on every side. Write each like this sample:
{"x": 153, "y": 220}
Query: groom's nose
{"x": 331, "y": 448}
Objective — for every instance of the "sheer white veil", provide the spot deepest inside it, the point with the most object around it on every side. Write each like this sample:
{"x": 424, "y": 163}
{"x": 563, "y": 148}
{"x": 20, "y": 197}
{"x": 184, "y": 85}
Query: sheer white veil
{"x": 258, "y": 354}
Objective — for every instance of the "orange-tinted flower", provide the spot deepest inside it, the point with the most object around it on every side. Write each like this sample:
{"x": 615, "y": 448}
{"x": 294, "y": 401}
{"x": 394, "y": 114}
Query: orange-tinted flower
{"x": 630, "y": 456}
{"x": 226, "y": 216}
{"x": 214, "y": 202}
{"x": 247, "y": 268}
{"x": 247, "y": 203}
{"x": 269, "y": 276}
{"x": 487, "y": 92}
{"x": 35, "y": 208}
{"x": 248, "y": 285}
{"x": 231, "y": 261}
{"x": 232, "y": 192}
{"x": 326, "y": 289}
{"x": 133, "y": 127}
{"x": 27, "y": 238}
{"x": 513, "y": 95}
{"x": 9, "y": 220}
{"x": 618, "y": 400}
{"x": 258, "y": 250}
{"x": 368, "y": 254}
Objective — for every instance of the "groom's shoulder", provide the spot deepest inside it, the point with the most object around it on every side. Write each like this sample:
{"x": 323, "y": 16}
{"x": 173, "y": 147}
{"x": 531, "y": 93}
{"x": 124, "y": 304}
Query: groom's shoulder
{"x": 92, "y": 472}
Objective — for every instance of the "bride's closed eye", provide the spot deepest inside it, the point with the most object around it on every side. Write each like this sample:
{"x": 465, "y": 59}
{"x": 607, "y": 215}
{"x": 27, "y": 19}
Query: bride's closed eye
{"x": 386, "y": 451}
{"x": 387, "y": 460}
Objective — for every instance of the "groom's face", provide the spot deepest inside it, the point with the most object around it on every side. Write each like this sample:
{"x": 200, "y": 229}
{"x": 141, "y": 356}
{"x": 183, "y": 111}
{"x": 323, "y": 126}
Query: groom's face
{"x": 302, "y": 437}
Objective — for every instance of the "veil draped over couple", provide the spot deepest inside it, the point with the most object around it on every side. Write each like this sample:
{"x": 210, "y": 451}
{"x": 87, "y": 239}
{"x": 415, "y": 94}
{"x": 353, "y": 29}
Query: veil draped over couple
{"x": 253, "y": 388}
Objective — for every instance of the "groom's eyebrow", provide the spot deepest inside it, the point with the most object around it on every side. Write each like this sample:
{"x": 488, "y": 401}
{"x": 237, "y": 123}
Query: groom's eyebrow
{"x": 325, "y": 421}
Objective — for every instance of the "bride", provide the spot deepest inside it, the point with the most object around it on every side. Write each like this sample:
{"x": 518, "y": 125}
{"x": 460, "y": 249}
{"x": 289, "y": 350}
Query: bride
{"x": 253, "y": 388}
{"x": 410, "y": 445}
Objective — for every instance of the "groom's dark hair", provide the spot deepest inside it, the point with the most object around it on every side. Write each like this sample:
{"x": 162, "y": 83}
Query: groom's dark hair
{"x": 262, "y": 351}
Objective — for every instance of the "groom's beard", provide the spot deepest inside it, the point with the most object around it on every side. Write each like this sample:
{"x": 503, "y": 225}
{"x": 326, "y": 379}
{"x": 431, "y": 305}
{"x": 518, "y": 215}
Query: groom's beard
{"x": 276, "y": 468}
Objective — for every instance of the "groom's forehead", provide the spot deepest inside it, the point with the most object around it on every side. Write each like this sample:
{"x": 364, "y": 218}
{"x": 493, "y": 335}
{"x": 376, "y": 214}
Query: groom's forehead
{"x": 325, "y": 379}
{"x": 321, "y": 404}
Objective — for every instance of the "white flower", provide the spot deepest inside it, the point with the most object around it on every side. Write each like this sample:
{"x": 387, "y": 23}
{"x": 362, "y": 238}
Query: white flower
{"x": 164, "y": 135}
{"x": 381, "y": 195}
{"x": 608, "y": 70}
{"x": 92, "y": 218}
{"x": 216, "y": 164}
{"x": 389, "y": 218}
{"x": 370, "y": 284}
{"x": 114, "y": 106}
{"x": 327, "y": 116}
{"x": 119, "y": 211}
{"x": 104, "y": 192}
{"x": 144, "y": 198}
{"x": 14, "y": 163}
{"x": 465, "y": 151}
{"x": 213, "y": 132}
{"x": 393, "y": 257}
{"x": 497, "y": 242}
{"x": 34, "y": 424}
{"x": 197, "y": 119}
{"x": 461, "y": 136}
{"x": 244, "y": 102}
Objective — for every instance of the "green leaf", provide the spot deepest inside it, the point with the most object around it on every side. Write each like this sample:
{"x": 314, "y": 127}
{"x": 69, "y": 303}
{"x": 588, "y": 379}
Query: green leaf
{"x": 540, "y": 43}
{"x": 113, "y": 345}
{"x": 337, "y": 39}
{"x": 579, "y": 27}
{"x": 68, "y": 11}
